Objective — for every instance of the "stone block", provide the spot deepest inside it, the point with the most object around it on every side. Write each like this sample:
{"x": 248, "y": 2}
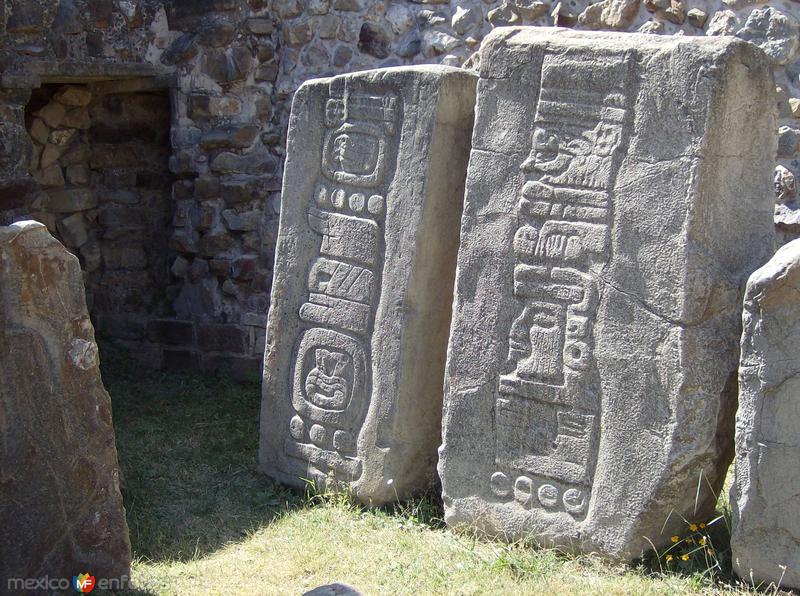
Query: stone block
{"x": 62, "y": 508}
{"x": 183, "y": 49}
{"x": 171, "y": 332}
{"x": 50, "y": 176}
{"x": 62, "y": 136}
{"x": 73, "y": 230}
{"x": 259, "y": 26}
{"x": 241, "y": 222}
{"x": 618, "y": 195}
{"x": 206, "y": 106}
{"x": 52, "y": 114}
{"x": 124, "y": 256}
{"x": 50, "y": 154}
{"x": 185, "y": 242}
{"x": 76, "y": 153}
{"x": 71, "y": 199}
{"x": 27, "y": 17}
{"x": 91, "y": 257}
{"x": 229, "y": 137}
{"x": 215, "y": 243}
{"x": 217, "y": 34}
{"x": 766, "y": 511}
{"x": 244, "y": 268}
{"x": 221, "y": 338}
{"x": 220, "y": 267}
{"x": 360, "y": 307}
{"x": 121, "y": 326}
{"x": 39, "y": 131}
{"x": 257, "y": 161}
{"x": 73, "y": 96}
{"x": 228, "y": 66}
{"x": 78, "y": 175}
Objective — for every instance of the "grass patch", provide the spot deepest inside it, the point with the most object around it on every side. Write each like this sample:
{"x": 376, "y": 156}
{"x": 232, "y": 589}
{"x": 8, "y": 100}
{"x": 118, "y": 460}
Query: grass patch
{"x": 203, "y": 521}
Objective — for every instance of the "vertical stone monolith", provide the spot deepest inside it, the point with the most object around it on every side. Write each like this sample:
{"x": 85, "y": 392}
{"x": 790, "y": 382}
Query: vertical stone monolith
{"x": 61, "y": 509}
{"x": 764, "y": 497}
{"x": 618, "y": 195}
{"x": 361, "y": 301}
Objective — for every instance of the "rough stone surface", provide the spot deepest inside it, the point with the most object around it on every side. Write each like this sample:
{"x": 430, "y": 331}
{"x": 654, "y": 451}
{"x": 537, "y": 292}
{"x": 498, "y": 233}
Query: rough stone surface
{"x": 62, "y": 509}
{"x": 228, "y": 64}
{"x": 364, "y": 269}
{"x": 617, "y": 197}
{"x": 766, "y": 511}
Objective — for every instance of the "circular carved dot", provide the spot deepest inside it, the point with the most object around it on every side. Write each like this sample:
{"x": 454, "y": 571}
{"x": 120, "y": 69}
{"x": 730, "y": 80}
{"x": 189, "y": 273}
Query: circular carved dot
{"x": 321, "y": 195}
{"x": 500, "y": 484}
{"x": 574, "y": 501}
{"x": 548, "y": 495}
{"x": 297, "y": 428}
{"x": 523, "y": 491}
{"x": 338, "y": 198}
{"x": 375, "y": 205}
{"x": 318, "y": 435}
{"x": 343, "y": 441}
{"x": 357, "y": 201}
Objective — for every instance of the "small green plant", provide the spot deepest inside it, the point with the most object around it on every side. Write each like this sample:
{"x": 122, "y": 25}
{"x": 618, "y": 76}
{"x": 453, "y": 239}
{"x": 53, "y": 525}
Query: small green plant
{"x": 701, "y": 549}
{"x": 694, "y": 550}
{"x": 331, "y": 492}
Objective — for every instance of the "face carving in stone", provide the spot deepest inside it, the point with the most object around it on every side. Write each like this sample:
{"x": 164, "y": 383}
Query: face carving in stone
{"x": 535, "y": 342}
{"x": 328, "y": 384}
{"x": 565, "y": 153}
{"x": 355, "y": 153}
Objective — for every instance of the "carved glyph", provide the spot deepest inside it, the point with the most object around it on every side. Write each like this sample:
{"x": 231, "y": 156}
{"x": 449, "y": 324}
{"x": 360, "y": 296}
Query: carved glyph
{"x": 614, "y": 205}
{"x": 332, "y": 369}
{"x": 547, "y": 409}
{"x": 363, "y": 280}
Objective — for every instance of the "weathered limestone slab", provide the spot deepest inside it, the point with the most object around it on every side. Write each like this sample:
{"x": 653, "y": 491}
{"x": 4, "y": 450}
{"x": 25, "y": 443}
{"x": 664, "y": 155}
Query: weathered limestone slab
{"x": 60, "y": 506}
{"x": 764, "y": 496}
{"x": 618, "y": 195}
{"x": 362, "y": 294}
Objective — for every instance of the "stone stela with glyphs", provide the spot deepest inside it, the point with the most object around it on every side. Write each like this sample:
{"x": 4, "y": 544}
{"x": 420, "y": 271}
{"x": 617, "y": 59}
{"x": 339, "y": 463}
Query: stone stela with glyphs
{"x": 332, "y": 371}
{"x": 616, "y": 200}
{"x": 547, "y": 411}
{"x": 362, "y": 292}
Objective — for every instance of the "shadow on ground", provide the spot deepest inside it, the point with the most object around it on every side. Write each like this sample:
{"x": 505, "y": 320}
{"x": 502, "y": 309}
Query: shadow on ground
{"x": 188, "y": 448}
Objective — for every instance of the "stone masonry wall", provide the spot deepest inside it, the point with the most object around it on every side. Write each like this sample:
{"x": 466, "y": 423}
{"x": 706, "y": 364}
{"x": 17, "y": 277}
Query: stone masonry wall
{"x": 230, "y": 68}
{"x": 166, "y": 183}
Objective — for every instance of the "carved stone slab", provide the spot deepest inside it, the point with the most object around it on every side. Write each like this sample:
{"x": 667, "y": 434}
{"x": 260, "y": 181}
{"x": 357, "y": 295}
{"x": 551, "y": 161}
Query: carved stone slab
{"x": 618, "y": 194}
{"x": 60, "y": 506}
{"x": 358, "y": 323}
{"x": 764, "y": 496}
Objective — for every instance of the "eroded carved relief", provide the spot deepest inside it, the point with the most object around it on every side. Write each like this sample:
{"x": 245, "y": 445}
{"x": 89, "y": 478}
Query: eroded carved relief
{"x": 332, "y": 383}
{"x": 547, "y": 413}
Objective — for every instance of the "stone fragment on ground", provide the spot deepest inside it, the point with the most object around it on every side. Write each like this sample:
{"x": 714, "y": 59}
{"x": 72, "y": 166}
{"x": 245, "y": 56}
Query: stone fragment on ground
{"x": 61, "y": 510}
{"x": 764, "y": 497}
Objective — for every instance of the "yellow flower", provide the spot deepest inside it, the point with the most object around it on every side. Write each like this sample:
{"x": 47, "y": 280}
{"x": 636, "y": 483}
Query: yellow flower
{"x": 669, "y": 558}
{"x": 702, "y": 541}
{"x": 685, "y": 557}
{"x": 702, "y": 526}
{"x": 690, "y": 541}
{"x": 675, "y": 539}
{"x": 711, "y": 551}
{"x": 693, "y": 527}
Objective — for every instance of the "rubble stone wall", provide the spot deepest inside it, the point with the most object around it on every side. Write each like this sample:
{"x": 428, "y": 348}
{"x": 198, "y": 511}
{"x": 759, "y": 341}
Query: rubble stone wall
{"x": 230, "y": 68}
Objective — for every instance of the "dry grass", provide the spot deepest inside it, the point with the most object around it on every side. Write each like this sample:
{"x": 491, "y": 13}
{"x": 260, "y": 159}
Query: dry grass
{"x": 203, "y": 521}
